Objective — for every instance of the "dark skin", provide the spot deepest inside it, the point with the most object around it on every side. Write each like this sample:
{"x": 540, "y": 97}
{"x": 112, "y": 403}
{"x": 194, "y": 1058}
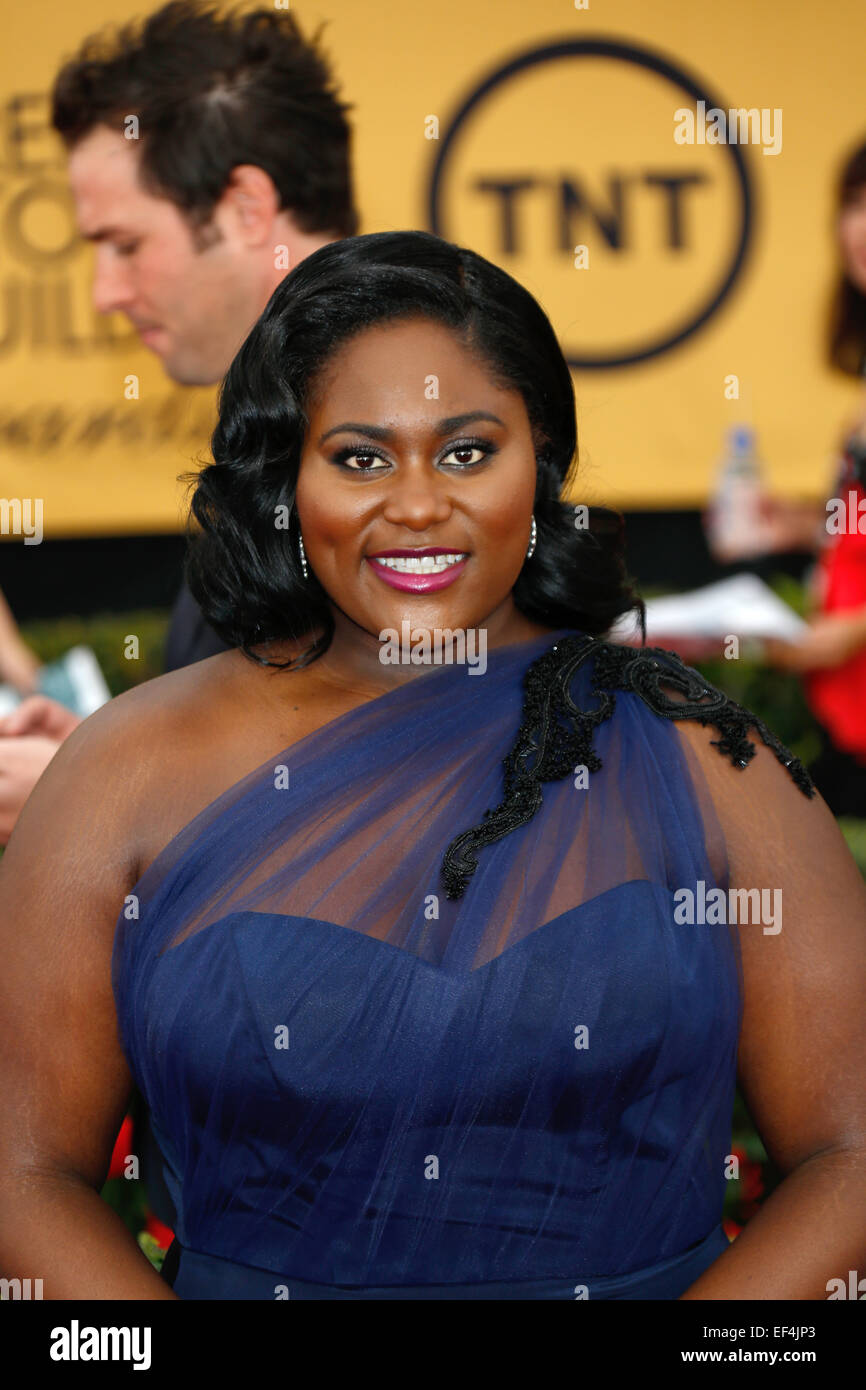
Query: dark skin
{"x": 123, "y": 784}
{"x": 420, "y": 492}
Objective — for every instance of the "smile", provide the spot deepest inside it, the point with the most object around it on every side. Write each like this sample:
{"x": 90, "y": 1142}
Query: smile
{"x": 419, "y": 573}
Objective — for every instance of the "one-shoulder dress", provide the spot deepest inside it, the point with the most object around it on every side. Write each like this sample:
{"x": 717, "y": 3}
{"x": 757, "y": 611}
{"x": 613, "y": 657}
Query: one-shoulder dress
{"x": 413, "y": 1007}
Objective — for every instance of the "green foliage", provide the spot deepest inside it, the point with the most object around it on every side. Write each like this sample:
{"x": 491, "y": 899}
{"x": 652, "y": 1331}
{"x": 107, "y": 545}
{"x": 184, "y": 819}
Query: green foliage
{"x": 152, "y": 1250}
{"x": 107, "y": 635}
{"x": 758, "y": 1174}
{"x": 854, "y": 832}
{"x": 128, "y": 1198}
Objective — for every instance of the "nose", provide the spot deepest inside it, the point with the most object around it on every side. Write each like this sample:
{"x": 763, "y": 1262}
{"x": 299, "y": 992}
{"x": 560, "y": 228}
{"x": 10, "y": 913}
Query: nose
{"x": 111, "y": 285}
{"x": 418, "y": 497}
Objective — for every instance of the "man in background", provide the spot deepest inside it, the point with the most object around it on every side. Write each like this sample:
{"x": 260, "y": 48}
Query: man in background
{"x": 236, "y": 167}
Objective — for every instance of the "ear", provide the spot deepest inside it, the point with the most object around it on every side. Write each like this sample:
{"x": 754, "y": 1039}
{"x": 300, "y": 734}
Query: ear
{"x": 251, "y": 200}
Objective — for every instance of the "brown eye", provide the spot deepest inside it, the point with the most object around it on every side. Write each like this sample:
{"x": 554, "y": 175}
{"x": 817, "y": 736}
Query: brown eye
{"x": 353, "y": 451}
{"x": 365, "y": 467}
{"x": 460, "y": 451}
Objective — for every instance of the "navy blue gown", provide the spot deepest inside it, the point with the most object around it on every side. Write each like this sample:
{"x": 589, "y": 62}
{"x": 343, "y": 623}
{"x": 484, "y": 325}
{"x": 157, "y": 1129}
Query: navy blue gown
{"x": 411, "y": 1006}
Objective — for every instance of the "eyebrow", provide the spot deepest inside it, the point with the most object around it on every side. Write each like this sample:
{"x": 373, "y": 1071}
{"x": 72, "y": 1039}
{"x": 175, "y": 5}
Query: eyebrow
{"x": 102, "y": 233}
{"x": 451, "y": 422}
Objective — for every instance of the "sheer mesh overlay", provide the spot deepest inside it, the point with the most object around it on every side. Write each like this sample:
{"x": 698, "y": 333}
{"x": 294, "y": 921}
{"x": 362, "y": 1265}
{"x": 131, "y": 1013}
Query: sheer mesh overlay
{"x": 357, "y": 1080}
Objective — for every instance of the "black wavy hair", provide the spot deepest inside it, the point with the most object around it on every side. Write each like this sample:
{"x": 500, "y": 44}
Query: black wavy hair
{"x": 245, "y": 573}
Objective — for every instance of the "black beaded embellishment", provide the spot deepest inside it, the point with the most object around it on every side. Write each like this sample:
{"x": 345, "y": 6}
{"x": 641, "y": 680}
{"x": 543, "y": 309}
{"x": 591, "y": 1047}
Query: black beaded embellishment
{"x": 555, "y": 735}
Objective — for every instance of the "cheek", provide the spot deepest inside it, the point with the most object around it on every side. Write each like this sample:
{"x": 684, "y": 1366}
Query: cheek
{"x": 851, "y": 233}
{"x": 327, "y": 519}
{"x": 505, "y": 511}
{"x": 159, "y": 283}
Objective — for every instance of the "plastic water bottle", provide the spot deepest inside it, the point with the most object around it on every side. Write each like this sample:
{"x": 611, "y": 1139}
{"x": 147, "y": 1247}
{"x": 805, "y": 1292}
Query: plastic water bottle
{"x": 733, "y": 521}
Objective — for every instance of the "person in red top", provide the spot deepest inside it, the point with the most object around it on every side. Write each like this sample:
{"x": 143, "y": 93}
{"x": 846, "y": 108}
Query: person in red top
{"x": 837, "y": 694}
{"x": 831, "y": 655}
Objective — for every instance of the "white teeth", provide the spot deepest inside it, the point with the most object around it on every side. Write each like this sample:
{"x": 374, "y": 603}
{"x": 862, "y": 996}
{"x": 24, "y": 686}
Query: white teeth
{"x": 424, "y": 564}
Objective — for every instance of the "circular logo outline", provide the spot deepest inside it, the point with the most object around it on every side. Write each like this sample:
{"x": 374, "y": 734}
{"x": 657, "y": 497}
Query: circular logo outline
{"x": 654, "y": 62}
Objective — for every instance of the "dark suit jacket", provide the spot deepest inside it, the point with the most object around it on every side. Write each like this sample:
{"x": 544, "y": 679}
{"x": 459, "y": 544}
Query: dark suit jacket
{"x": 190, "y": 638}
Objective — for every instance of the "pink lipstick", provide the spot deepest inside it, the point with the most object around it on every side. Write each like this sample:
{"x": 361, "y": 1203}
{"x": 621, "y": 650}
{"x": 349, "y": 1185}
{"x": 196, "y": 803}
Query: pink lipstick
{"x": 420, "y": 571}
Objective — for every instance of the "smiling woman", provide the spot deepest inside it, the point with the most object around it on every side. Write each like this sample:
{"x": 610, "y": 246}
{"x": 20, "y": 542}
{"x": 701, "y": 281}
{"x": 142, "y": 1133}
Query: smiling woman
{"x": 394, "y": 956}
{"x": 398, "y": 394}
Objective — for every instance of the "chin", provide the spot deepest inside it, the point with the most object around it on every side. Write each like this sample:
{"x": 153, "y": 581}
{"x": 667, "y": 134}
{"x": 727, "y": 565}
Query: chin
{"x": 188, "y": 373}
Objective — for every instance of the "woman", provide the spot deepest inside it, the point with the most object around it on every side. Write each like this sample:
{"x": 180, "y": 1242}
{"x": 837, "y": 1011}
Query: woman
{"x": 413, "y": 964}
{"x": 831, "y": 656}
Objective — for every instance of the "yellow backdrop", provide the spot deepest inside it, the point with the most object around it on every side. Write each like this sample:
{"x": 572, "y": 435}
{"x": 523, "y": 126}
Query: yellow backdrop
{"x": 543, "y": 135}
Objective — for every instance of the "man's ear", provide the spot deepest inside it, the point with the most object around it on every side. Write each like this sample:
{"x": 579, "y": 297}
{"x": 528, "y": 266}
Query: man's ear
{"x": 251, "y": 199}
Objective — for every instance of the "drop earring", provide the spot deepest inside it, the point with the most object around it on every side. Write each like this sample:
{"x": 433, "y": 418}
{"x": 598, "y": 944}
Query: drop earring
{"x": 533, "y": 536}
{"x": 303, "y": 554}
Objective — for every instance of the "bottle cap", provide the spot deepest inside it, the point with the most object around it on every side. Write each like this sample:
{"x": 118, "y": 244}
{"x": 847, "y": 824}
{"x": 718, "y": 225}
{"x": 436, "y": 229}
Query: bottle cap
{"x": 741, "y": 438}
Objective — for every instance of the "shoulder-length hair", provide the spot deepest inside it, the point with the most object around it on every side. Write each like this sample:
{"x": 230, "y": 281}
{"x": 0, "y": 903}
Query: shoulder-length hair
{"x": 846, "y": 343}
{"x": 244, "y": 571}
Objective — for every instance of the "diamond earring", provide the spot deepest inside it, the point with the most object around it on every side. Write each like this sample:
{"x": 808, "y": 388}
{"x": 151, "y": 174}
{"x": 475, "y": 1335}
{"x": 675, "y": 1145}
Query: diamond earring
{"x": 303, "y": 554}
{"x": 533, "y": 536}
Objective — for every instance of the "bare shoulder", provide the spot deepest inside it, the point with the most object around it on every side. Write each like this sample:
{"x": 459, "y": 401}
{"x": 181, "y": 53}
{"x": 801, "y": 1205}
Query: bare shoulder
{"x": 129, "y": 733}
{"x": 171, "y": 746}
{"x": 182, "y": 709}
{"x": 142, "y": 760}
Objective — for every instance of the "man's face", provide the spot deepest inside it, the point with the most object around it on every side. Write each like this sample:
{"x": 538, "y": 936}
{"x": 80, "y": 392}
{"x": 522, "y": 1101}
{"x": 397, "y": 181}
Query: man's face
{"x": 192, "y": 307}
{"x": 852, "y": 236}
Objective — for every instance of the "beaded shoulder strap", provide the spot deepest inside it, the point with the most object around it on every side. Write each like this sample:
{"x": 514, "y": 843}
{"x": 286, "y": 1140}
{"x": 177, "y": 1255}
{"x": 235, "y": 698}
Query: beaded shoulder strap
{"x": 555, "y": 734}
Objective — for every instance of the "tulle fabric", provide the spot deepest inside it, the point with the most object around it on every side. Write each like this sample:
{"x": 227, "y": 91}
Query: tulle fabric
{"x": 357, "y": 1081}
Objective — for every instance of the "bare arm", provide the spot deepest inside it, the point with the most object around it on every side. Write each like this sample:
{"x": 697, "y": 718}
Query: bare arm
{"x": 829, "y": 641}
{"x": 64, "y": 1079}
{"x": 803, "y": 1039}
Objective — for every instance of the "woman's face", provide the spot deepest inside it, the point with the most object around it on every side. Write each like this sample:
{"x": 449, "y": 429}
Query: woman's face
{"x": 391, "y": 462}
{"x": 852, "y": 237}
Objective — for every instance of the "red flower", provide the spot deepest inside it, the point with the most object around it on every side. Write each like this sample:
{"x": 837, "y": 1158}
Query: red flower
{"x": 752, "y": 1179}
{"x": 161, "y": 1233}
{"x": 122, "y": 1147}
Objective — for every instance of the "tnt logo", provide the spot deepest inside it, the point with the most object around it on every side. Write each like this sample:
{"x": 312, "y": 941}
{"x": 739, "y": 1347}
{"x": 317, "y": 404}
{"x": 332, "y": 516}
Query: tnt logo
{"x": 562, "y": 166}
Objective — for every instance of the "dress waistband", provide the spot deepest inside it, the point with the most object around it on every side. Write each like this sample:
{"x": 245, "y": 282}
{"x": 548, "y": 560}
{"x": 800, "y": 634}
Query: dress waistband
{"x": 195, "y": 1275}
